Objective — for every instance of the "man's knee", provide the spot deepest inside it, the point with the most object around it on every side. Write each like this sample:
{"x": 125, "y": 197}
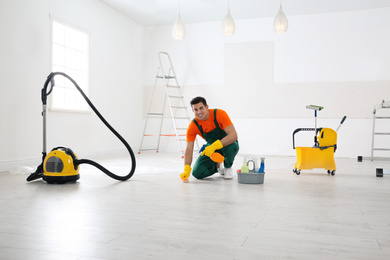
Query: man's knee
{"x": 198, "y": 173}
{"x": 199, "y": 177}
{"x": 204, "y": 168}
{"x": 232, "y": 148}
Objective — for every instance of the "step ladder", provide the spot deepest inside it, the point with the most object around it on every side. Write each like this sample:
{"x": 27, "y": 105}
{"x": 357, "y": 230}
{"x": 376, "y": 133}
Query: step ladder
{"x": 377, "y": 133}
{"x": 172, "y": 104}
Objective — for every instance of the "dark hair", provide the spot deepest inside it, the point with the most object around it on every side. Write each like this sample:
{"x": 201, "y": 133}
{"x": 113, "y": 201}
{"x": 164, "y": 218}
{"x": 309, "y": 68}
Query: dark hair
{"x": 197, "y": 100}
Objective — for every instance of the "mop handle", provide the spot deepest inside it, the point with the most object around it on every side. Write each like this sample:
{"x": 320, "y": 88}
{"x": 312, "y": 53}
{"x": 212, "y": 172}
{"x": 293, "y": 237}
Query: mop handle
{"x": 315, "y": 108}
{"x": 342, "y": 121}
{"x": 315, "y": 128}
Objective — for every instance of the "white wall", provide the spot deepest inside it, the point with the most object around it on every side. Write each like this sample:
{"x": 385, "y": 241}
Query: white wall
{"x": 338, "y": 60}
{"x": 116, "y": 69}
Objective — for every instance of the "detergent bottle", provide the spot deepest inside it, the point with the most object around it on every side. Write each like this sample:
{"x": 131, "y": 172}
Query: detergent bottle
{"x": 244, "y": 168}
{"x": 261, "y": 169}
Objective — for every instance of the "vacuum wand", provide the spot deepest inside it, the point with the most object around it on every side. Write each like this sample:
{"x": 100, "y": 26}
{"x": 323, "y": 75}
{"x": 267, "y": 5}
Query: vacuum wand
{"x": 44, "y": 107}
{"x": 39, "y": 171}
{"x": 44, "y": 95}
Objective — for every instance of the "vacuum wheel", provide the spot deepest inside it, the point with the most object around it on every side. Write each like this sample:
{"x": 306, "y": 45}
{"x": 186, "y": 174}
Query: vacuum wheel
{"x": 296, "y": 171}
{"x": 331, "y": 172}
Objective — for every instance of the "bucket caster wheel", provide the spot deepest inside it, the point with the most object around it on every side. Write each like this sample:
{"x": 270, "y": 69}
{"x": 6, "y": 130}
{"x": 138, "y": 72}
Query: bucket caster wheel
{"x": 296, "y": 171}
{"x": 331, "y": 172}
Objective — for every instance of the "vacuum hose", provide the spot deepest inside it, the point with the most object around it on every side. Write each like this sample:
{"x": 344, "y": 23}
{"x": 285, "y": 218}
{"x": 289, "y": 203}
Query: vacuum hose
{"x": 44, "y": 94}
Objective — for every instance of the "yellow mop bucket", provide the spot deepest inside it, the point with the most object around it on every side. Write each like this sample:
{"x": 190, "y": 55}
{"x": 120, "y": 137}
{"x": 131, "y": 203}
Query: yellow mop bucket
{"x": 321, "y": 155}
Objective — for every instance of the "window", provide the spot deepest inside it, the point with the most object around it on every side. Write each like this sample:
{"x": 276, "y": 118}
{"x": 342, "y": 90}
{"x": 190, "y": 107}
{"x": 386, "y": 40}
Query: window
{"x": 70, "y": 48}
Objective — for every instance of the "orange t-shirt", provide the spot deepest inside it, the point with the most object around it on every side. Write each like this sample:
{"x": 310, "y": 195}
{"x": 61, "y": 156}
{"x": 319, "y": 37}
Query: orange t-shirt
{"x": 208, "y": 125}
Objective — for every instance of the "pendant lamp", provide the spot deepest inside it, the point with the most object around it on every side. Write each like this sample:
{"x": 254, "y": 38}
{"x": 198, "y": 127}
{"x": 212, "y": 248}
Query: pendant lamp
{"x": 280, "y": 22}
{"x": 228, "y": 27}
{"x": 178, "y": 29}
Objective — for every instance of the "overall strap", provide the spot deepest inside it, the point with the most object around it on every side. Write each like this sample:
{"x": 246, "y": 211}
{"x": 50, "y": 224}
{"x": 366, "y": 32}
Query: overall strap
{"x": 215, "y": 118}
{"x": 199, "y": 127}
{"x": 215, "y": 122}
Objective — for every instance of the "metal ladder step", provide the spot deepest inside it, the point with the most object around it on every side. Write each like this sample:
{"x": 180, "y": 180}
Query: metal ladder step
{"x": 181, "y": 117}
{"x": 147, "y": 149}
{"x": 154, "y": 114}
{"x": 166, "y": 77}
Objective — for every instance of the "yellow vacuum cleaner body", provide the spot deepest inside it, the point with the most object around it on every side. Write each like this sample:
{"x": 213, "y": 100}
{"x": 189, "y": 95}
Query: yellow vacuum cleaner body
{"x": 59, "y": 166}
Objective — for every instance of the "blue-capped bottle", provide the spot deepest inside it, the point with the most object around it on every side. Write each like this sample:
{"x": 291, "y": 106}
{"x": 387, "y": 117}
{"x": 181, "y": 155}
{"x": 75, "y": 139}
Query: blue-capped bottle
{"x": 261, "y": 169}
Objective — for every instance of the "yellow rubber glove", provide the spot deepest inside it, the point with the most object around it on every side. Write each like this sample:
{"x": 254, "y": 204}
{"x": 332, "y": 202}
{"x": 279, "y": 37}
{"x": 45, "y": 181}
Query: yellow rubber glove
{"x": 186, "y": 174}
{"x": 209, "y": 150}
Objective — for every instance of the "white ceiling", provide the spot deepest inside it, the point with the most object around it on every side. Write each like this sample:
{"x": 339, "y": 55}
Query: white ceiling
{"x": 161, "y": 12}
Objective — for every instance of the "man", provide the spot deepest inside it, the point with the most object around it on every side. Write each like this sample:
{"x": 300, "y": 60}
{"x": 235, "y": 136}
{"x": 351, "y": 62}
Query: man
{"x": 215, "y": 126}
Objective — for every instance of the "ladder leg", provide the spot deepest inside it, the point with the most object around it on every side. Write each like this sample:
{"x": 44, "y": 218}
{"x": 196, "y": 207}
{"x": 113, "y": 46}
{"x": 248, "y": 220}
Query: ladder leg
{"x": 373, "y": 134}
{"x": 161, "y": 124}
{"x": 148, "y": 115}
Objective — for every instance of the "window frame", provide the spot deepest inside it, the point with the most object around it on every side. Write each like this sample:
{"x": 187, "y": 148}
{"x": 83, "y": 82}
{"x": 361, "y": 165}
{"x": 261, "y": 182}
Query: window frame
{"x": 63, "y": 84}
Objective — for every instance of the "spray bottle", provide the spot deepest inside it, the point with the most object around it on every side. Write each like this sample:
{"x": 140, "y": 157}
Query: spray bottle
{"x": 262, "y": 166}
{"x": 216, "y": 157}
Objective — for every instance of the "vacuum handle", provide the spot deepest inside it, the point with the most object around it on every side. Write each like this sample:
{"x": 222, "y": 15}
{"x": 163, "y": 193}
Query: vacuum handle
{"x": 44, "y": 92}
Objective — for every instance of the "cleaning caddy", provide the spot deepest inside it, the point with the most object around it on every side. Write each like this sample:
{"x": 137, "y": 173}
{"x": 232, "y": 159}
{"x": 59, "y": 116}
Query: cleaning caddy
{"x": 321, "y": 155}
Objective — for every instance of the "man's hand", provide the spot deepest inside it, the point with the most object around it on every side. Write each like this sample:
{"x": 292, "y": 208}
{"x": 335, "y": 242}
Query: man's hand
{"x": 186, "y": 174}
{"x": 209, "y": 150}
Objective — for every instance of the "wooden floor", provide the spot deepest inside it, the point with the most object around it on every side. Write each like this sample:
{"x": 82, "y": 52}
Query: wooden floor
{"x": 155, "y": 215}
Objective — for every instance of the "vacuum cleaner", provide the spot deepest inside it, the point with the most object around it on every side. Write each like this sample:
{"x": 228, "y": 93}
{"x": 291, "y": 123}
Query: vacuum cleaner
{"x": 321, "y": 155}
{"x": 61, "y": 165}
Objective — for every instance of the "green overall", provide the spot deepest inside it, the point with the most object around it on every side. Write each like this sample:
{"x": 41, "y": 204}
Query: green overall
{"x": 204, "y": 166}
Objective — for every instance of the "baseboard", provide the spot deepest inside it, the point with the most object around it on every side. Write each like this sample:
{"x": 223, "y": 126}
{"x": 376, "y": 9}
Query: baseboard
{"x": 8, "y": 166}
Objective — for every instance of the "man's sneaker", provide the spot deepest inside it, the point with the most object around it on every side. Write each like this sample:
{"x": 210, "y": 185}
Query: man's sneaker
{"x": 221, "y": 169}
{"x": 228, "y": 174}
